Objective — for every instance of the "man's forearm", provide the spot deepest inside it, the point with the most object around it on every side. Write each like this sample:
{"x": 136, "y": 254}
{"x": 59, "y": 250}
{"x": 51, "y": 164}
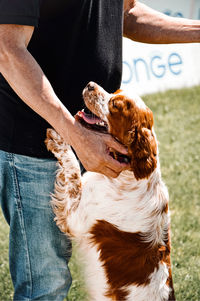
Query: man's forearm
{"x": 146, "y": 25}
{"x": 28, "y": 80}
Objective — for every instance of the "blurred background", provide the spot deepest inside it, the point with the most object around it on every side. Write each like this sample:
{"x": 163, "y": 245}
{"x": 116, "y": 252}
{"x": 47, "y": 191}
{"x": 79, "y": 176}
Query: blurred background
{"x": 152, "y": 68}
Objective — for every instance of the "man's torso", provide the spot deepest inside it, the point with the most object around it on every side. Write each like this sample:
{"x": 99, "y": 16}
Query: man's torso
{"x": 76, "y": 41}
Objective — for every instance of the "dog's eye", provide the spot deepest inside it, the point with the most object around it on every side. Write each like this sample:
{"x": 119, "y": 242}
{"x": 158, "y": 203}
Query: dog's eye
{"x": 128, "y": 105}
{"x": 114, "y": 104}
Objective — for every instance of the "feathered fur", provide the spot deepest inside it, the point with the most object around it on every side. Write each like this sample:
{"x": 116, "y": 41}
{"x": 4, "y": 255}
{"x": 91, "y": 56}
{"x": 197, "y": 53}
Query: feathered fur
{"x": 121, "y": 224}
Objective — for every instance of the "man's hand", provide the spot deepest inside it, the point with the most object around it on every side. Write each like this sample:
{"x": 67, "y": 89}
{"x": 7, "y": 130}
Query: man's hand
{"x": 92, "y": 149}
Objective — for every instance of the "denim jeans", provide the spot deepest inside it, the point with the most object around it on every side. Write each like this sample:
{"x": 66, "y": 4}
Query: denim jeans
{"x": 38, "y": 251}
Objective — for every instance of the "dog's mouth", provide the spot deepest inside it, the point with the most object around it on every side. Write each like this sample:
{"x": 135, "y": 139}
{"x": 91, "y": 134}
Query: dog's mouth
{"x": 91, "y": 121}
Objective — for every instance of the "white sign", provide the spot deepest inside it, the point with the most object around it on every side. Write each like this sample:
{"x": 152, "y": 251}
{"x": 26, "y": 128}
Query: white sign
{"x": 150, "y": 68}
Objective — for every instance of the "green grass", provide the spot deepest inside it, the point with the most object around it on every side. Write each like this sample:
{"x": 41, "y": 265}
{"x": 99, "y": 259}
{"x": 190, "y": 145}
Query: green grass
{"x": 5, "y": 281}
{"x": 177, "y": 124}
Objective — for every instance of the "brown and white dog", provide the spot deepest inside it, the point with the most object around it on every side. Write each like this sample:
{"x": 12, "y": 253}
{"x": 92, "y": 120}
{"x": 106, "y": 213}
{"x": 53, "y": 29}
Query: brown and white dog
{"x": 122, "y": 224}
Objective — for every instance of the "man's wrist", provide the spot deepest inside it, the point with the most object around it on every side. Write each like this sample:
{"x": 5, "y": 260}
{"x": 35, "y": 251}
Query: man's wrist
{"x": 68, "y": 127}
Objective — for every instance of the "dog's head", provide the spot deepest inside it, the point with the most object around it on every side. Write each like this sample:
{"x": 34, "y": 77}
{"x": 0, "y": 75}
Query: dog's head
{"x": 127, "y": 119}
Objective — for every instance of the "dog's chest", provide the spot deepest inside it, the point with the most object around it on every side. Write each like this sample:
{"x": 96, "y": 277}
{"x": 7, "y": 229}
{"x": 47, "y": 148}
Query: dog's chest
{"x": 129, "y": 206}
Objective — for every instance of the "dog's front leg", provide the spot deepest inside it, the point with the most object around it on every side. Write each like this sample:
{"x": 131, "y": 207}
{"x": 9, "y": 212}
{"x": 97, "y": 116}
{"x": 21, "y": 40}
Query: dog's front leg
{"x": 67, "y": 193}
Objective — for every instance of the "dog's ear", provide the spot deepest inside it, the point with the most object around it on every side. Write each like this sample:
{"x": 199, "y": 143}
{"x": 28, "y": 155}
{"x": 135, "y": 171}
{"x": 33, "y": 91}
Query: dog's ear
{"x": 118, "y": 91}
{"x": 143, "y": 153}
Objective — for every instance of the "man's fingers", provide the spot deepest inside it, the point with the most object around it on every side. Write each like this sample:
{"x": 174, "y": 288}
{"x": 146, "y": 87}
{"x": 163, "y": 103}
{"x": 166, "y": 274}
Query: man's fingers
{"x": 111, "y": 142}
{"x": 109, "y": 172}
{"x": 115, "y": 165}
{"x": 93, "y": 152}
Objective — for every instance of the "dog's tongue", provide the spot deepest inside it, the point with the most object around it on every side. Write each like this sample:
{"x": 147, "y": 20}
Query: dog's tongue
{"x": 91, "y": 119}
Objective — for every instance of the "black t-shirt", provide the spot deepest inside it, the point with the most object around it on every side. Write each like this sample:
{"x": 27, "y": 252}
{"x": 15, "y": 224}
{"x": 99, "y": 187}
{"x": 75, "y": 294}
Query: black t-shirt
{"x": 74, "y": 42}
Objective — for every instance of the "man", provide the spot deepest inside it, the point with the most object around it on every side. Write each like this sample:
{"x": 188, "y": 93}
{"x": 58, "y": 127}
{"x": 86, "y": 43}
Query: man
{"x": 49, "y": 50}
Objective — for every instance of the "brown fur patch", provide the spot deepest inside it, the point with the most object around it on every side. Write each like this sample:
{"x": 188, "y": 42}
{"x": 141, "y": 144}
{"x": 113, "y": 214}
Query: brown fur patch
{"x": 75, "y": 191}
{"x": 62, "y": 177}
{"x": 118, "y": 91}
{"x": 126, "y": 258}
{"x": 132, "y": 126}
{"x": 74, "y": 176}
{"x": 165, "y": 208}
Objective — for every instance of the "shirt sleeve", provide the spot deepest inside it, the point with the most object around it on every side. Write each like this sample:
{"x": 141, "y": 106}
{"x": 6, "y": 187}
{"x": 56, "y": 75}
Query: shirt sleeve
{"x": 21, "y": 12}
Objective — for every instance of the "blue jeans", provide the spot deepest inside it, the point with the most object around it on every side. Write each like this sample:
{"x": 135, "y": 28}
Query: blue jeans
{"x": 38, "y": 251}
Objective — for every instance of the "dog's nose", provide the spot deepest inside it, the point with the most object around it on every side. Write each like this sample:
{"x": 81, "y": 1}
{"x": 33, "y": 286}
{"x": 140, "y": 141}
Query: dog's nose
{"x": 91, "y": 86}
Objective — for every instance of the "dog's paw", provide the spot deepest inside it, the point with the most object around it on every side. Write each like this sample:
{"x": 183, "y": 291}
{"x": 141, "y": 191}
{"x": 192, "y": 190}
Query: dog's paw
{"x": 54, "y": 142}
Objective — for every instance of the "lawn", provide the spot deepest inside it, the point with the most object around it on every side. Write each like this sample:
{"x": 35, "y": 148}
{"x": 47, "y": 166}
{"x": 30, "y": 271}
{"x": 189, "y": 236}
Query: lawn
{"x": 177, "y": 124}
